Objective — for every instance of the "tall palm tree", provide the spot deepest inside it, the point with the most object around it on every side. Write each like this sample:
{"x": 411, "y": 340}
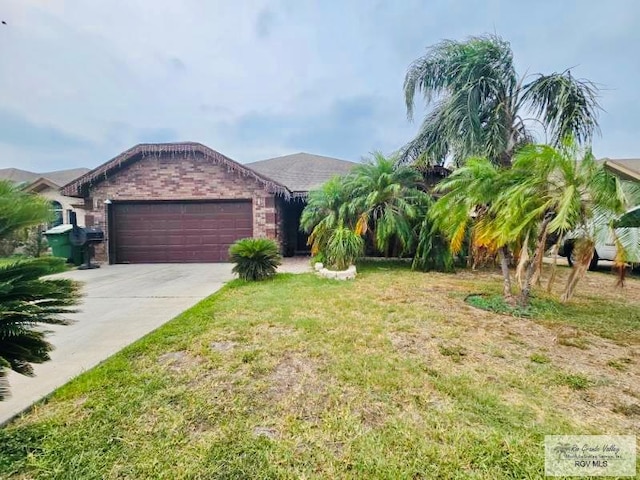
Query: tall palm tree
{"x": 384, "y": 199}
{"x": 479, "y": 104}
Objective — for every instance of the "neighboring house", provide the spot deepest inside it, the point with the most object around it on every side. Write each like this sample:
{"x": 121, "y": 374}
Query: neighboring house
{"x": 184, "y": 202}
{"x": 48, "y": 185}
{"x": 626, "y": 168}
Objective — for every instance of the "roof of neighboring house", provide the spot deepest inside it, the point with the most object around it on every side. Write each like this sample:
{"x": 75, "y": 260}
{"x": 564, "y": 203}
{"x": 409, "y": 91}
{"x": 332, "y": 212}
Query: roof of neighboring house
{"x": 41, "y": 184}
{"x": 76, "y": 187}
{"x": 629, "y": 168}
{"x": 62, "y": 177}
{"x": 17, "y": 176}
{"x": 301, "y": 172}
{"x": 57, "y": 177}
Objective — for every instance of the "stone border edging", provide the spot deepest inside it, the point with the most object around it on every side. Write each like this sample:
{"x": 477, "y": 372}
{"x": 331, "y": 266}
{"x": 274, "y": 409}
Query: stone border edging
{"x": 348, "y": 274}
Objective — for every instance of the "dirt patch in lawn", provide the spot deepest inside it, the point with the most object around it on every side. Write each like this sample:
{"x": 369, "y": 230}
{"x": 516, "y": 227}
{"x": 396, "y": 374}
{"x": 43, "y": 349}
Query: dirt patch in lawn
{"x": 179, "y": 361}
{"x": 294, "y": 376}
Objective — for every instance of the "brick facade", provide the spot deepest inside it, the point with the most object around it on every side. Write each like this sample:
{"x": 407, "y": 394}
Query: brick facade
{"x": 167, "y": 176}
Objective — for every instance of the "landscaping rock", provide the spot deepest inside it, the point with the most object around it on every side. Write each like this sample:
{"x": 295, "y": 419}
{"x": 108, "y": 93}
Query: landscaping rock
{"x": 348, "y": 274}
{"x": 318, "y": 266}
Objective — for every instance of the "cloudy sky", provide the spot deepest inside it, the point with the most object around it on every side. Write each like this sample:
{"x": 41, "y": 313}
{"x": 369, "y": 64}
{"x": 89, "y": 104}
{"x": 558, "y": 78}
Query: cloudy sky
{"x": 84, "y": 80}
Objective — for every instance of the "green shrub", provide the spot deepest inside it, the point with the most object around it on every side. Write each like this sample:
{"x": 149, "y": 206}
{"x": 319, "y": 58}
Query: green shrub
{"x": 432, "y": 251}
{"x": 27, "y": 303}
{"x": 344, "y": 247}
{"x": 254, "y": 258}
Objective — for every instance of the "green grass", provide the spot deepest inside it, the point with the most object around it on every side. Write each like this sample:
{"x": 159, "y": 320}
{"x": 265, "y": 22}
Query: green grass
{"x": 608, "y": 319}
{"x": 390, "y": 376}
{"x": 621, "y": 364}
{"x": 574, "y": 381}
{"x": 456, "y": 352}
{"x": 539, "y": 358}
{"x": 598, "y": 315}
{"x": 496, "y": 303}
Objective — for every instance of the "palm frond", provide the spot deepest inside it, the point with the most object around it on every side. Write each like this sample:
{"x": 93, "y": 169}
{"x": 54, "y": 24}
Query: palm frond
{"x": 566, "y": 105}
{"x": 27, "y": 301}
{"x": 474, "y": 101}
{"x": 20, "y": 209}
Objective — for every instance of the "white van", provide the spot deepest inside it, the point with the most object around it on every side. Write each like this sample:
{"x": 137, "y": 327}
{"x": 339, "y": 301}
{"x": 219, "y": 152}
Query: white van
{"x": 628, "y": 225}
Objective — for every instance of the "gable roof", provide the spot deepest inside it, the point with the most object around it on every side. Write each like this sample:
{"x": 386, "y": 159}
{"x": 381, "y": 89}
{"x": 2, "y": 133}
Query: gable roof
{"x": 301, "y": 172}
{"x": 628, "y": 168}
{"x": 77, "y": 187}
{"x": 57, "y": 177}
{"x": 41, "y": 184}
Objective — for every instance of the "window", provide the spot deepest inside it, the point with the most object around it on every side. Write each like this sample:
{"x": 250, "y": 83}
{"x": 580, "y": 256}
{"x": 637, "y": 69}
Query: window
{"x": 58, "y": 213}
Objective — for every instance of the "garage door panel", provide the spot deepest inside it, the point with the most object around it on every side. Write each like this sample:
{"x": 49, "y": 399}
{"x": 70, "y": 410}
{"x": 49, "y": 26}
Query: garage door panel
{"x": 166, "y": 232}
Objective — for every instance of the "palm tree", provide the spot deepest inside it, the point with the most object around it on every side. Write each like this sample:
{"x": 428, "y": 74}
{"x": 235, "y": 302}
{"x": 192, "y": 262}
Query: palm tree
{"x": 325, "y": 211}
{"x": 479, "y": 103}
{"x": 384, "y": 198}
{"x": 26, "y": 300}
{"x": 558, "y": 190}
{"x": 20, "y": 209}
{"x": 466, "y": 205}
{"x": 432, "y": 250}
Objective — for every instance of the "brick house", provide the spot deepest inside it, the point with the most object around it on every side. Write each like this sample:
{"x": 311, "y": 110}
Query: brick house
{"x": 184, "y": 202}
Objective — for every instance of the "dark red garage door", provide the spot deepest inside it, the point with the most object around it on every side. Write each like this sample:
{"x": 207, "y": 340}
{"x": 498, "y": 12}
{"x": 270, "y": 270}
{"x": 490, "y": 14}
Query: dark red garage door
{"x": 178, "y": 232}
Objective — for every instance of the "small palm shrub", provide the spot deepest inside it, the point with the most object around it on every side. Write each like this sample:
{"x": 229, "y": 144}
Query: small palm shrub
{"x": 432, "y": 251}
{"x": 254, "y": 258}
{"x": 27, "y": 301}
{"x": 344, "y": 247}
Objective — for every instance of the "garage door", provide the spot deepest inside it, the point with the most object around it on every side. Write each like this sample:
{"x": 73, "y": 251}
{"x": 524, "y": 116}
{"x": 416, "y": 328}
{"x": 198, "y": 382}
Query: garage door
{"x": 178, "y": 232}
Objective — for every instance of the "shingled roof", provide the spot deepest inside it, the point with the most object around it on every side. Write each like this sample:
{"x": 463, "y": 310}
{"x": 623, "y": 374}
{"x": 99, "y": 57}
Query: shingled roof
{"x": 77, "y": 187}
{"x": 57, "y": 177}
{"x": 301, "y": 172}
{"x": 628, "y": 168}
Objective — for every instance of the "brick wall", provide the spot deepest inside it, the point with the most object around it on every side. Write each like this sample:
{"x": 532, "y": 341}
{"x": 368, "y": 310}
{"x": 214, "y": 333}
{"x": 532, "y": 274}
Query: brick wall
{"x": 179, "y": 177}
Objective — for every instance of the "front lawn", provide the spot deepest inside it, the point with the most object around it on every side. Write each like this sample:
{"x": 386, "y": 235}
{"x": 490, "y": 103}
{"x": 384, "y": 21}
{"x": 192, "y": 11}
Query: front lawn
{"x": 391, "y": 376}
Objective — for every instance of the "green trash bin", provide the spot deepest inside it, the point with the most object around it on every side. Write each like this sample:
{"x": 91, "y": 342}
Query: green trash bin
{"x": 58, "y": 240}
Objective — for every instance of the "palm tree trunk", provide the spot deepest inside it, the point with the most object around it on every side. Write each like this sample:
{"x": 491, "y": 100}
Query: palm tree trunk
{"x": 506, "y": 276}
{"x": 537, "y": 274}
{"x": 523, "y": 299}
{"x": 523, "y": 261}
{"x": 554, "y": 266}
{"x": 584, "y": 253}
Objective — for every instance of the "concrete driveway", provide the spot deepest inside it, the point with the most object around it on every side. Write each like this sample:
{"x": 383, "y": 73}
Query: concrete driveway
{"x": 122, "y": 303}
